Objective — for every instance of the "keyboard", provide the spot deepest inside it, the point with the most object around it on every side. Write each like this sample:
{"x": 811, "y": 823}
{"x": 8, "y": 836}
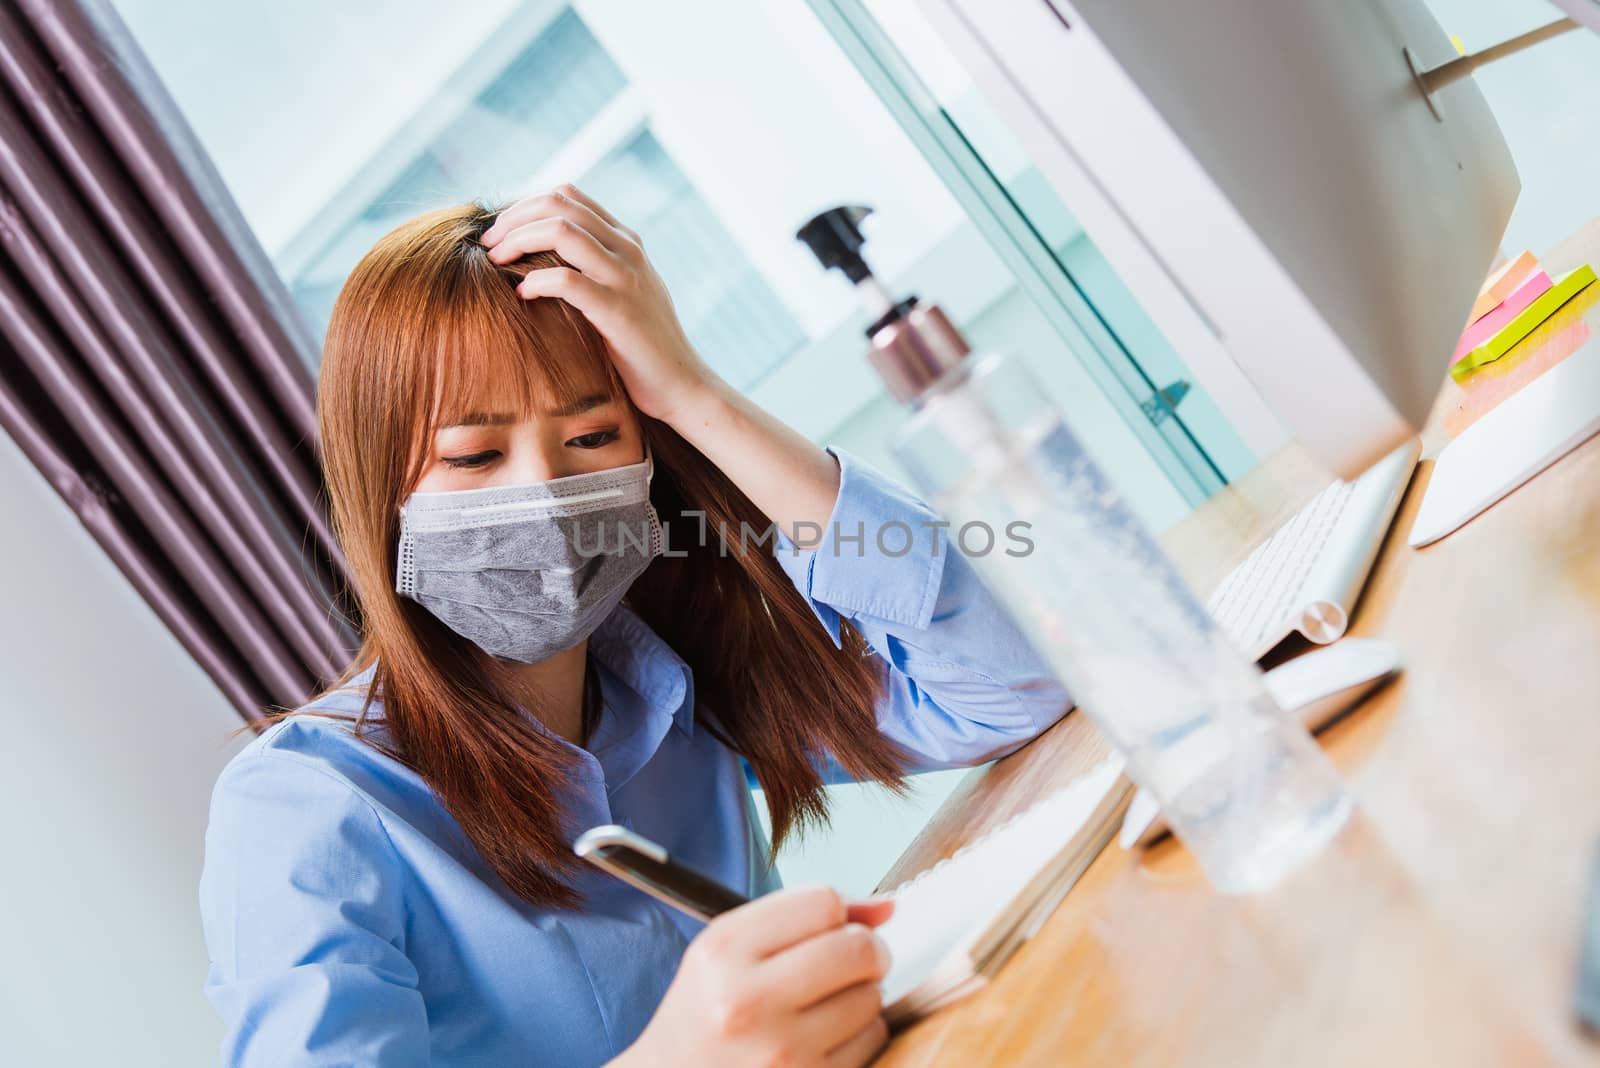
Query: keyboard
{"x": 1309, "y": 574}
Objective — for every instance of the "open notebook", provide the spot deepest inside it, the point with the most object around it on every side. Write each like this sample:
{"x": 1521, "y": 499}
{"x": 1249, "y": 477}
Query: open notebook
{"x": 955, "y": 924}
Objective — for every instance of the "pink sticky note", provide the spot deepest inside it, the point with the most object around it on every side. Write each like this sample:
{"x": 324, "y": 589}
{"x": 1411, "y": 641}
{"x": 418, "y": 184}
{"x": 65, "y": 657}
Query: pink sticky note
{"x": 1497, "y": 317}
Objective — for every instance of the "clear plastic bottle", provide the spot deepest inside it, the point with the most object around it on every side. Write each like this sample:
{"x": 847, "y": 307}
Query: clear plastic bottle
{"x": 1239, "y": 781}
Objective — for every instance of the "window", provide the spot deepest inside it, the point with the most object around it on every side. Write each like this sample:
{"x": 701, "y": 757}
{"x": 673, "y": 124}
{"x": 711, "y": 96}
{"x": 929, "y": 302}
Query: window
{"x": 453, "y": 148}
{"x": 332, "y": 125}
{"x": 736, "y": 320}
{"x": 560, "y": 98}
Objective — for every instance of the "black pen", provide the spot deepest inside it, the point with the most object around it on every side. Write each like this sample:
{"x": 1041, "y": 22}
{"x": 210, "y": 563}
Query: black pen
{"x": 640, "y": 862}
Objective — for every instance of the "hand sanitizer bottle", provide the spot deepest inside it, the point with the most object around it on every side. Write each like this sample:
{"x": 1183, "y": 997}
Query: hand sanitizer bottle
{"x": 1241, "y": 782}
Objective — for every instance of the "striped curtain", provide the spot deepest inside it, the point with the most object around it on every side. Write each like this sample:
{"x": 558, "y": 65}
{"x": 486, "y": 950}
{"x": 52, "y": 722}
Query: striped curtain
{"x": 154, "y": 368}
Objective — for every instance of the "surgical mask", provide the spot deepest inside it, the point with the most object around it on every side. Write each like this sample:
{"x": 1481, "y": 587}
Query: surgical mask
{"x": 527, "y": 571}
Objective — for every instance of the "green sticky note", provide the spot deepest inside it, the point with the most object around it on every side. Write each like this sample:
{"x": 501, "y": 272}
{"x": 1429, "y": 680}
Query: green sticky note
{"x": 1524, "y": 324}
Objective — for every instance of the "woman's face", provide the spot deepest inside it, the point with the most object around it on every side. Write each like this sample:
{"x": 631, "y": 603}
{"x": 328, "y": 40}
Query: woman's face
{"x": 480, "y": 449}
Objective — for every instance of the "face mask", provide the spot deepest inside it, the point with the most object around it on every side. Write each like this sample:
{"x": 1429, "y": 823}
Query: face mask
{"x": 527, "y": 571}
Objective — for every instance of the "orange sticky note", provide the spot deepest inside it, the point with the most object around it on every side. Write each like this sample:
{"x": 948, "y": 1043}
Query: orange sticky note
{"x": 1502, "y": 284}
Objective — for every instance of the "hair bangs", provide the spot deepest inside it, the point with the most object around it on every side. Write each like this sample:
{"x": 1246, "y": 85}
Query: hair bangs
{"x": 497, "y": 352}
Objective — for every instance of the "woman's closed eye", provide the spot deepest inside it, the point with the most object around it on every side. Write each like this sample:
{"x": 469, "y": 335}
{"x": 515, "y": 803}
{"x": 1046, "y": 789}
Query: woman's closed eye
{"x": 594, "y": 439}
{"x": 476, "y": 459}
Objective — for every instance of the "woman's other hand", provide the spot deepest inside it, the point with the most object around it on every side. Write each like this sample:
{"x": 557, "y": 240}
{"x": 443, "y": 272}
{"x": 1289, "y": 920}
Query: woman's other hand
{"x": 614, "y": 285}
{"x": 790, "y": 978}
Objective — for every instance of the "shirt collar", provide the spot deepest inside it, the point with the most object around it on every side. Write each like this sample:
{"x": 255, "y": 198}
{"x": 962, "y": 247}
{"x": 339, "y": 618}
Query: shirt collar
{"x": 625, "y": 645}
{"x": 640, "y": 658}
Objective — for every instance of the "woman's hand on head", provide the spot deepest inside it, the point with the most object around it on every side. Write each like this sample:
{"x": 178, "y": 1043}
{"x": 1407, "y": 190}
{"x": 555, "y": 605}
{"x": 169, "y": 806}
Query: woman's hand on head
{"x": 790, "y": 978}
{"x": 788, "y": 477}
{"x": 612, "y": 282}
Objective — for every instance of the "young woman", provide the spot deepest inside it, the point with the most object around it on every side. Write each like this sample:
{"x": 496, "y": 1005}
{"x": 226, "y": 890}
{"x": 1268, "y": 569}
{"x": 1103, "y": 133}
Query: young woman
{"x": 511, "y": 415}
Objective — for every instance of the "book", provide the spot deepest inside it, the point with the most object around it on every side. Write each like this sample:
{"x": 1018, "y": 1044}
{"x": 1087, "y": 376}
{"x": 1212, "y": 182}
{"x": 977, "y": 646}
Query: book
{"x": 957, "y": 923}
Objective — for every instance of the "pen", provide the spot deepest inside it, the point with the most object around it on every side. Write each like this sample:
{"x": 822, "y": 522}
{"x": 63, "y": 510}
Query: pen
{"x": 640, "y": 862}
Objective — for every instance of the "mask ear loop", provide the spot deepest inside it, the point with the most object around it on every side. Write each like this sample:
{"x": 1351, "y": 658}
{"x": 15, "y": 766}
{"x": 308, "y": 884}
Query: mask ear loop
{"x": 657, "y": 534}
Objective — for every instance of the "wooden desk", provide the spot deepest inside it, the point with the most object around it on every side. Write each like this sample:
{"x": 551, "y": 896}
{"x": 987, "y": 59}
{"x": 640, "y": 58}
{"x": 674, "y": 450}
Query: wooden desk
{"x": 1442, "y": 926}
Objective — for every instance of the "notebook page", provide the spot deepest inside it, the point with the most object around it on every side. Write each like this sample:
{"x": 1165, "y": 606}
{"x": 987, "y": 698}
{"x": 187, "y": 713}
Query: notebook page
{"x": 939, "y": 914}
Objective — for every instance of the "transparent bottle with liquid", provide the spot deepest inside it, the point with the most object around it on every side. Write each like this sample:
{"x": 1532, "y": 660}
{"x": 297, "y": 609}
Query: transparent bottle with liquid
{"x": 1240, "y": 781}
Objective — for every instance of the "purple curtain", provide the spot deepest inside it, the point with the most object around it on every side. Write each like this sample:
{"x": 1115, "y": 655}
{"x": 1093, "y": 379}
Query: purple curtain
{"x": 154, "y": 368}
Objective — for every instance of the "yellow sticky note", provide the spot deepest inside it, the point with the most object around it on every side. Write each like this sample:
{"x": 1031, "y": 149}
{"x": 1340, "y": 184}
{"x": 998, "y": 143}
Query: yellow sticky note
{"x": 1523, "y": 325}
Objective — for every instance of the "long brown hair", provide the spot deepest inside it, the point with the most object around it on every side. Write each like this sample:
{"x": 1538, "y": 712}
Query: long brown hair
{"x": 426, "y": 326}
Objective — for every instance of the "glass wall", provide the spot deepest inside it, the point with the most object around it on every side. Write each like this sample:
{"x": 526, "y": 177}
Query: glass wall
{"x": 498, "y": 136}
{"x": 1057, "y": 267}
{"x": 333, "y": 124}
{"x": 563, "y": 88}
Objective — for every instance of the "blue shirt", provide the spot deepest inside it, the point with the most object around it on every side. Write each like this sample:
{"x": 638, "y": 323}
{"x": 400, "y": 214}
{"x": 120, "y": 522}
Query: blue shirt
{"x": 350, "y": 921}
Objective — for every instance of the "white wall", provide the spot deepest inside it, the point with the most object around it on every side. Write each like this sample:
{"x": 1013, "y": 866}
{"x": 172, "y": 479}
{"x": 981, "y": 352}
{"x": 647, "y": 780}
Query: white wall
{"x": 113, "y": 738}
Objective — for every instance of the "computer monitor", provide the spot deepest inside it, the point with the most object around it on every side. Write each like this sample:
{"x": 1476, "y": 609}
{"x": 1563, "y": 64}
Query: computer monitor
{"x": 1270, "y": 181}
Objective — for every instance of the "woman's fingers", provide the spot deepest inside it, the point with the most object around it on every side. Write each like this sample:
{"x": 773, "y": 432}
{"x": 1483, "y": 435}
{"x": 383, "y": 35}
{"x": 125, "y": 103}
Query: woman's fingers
{"x": 789, "y": 972}
{"x": 778, "y": 920}
{"x": 575, "y": 244}
{"x": 538, "y": 206}
{"x": 824, "y": 964}
{"x": 556, "y": 204}
{"x": 872, "y": 912}
{"x": 586, "y": 294}
{"x": 589, "y": 202}
{"x": 861, "y": 1047}
{"x": 839, "y": 1016}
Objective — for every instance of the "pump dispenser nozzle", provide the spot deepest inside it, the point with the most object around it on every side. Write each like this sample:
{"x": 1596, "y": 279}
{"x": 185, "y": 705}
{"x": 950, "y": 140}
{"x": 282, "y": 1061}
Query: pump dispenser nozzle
{"x": 913, "y": 344}
{"x": 834, "y": 237}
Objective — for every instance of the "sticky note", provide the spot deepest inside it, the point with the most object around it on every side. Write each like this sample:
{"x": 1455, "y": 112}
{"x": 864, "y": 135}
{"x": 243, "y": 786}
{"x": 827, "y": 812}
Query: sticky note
{"x": 1523, "y": 325}
{"x": 1500, "y": 318}
{"x": 1504, "y": 282}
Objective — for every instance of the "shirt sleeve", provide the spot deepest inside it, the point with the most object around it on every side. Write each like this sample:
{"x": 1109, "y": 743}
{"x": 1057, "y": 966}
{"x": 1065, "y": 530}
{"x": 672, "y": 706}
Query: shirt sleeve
{"x": 963, "y": 685}
{"x": 300, "y": 902}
